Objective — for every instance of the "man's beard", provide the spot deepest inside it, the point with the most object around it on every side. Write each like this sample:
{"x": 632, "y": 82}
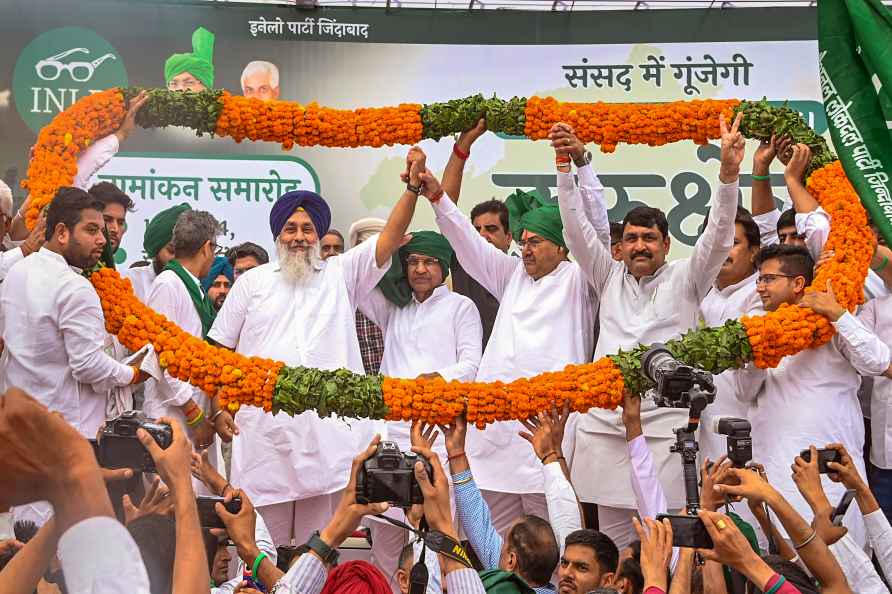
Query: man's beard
{"x": 297, "y": 266}
{"x": 80, "y": 257}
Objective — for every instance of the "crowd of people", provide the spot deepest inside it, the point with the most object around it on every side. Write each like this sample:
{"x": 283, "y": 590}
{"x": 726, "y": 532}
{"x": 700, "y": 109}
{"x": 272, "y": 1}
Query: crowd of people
{"x": 561, "y": 502}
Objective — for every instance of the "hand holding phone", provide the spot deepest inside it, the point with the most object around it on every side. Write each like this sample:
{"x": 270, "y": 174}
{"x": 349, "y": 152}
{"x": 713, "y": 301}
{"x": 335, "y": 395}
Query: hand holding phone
{"x": 842, "y": 507}
{"x": 207, "y": 514}
{"x": 688, "y": 531}
{"x": 824, "y": 456}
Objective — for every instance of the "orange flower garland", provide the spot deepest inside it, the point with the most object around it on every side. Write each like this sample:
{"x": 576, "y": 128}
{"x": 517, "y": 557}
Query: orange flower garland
{"x": 791, "y": 328}
{"x": 54, "y": 160}
{"x": 233, "y": 378}
{"x": 238, "y": 380}
{"x": 598, "y": 384}
{"x": 609, "y": 124}
{"x": 291, "y": 123}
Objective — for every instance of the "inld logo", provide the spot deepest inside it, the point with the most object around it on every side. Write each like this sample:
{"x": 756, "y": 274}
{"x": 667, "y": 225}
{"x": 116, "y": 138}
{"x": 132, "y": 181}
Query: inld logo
{"x": 59, "y": 67}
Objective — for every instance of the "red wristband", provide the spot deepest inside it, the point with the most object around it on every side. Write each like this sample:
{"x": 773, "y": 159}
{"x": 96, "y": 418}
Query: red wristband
{"x": 455, "y": 456}
{"x": 460, "y": 153}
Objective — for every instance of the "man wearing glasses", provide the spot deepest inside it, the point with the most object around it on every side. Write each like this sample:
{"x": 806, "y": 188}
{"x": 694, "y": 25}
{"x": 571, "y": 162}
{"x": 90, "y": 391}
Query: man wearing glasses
{"x": 545, "y": 305}
{"x": 811, "y": 398}
{"x": 177, "y": 294}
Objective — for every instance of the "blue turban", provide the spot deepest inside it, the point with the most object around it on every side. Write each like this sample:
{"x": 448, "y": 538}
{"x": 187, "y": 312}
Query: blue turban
{"x": 311, "y": 202}
{"x": 220, "y": 266}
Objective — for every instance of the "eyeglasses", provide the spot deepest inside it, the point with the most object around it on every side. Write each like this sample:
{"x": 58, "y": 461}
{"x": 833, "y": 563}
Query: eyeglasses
{"x": 414, "y": 262}
{"x": 767, "y": 279}
{"x": 533, "y": 242}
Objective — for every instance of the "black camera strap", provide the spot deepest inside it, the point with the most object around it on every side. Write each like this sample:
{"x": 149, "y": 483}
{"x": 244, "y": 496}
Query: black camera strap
{"x": 435, "y": 540}
{"x": 419, "y": 575}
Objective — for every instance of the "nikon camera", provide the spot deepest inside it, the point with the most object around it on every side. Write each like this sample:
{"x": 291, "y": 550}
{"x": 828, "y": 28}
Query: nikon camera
{"x": 389, "y": 476}
{"x": 120, "y": 448}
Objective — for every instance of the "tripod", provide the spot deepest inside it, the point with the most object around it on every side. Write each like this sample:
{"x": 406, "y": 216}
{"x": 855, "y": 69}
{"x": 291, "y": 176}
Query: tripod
{"x": 686, "y": 445}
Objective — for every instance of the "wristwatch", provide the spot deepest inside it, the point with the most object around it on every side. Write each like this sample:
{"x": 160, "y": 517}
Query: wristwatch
{"x": 414, "y": 189}
{"x": 328, "y": 555}
{"x": 585, "y": 160}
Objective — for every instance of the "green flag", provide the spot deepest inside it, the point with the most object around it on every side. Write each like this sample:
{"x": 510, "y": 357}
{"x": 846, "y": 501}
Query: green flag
{"x": 855, "y": 41}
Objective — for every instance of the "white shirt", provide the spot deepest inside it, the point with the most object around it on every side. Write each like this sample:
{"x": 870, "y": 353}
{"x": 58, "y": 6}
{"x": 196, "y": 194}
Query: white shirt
{"x": 876, "y": 315}
{"x": 94, "y": 158}
{"x": 857, "y": 567}
{"x": 54, "y": 332}
{"x": 442, "y": 335}
{"x": 99, "y": 556}
{"x": 170, "y": 298}
{"x": 719, "y": 306}
{"x": 7, "y": 259}
{"x": 281, "y": 458}
{"x": 542, "y": 325}
{"x": 880, "y": 534}
{"x": 563, "y": 508}
{"x": 656, "y": 308}
{"x": 811, "y": 398}
{"x": 141, "y": 277}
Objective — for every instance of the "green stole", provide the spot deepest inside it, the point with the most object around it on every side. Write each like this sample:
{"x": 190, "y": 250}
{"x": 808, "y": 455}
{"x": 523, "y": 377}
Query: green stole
{"x": 201, "y": 302}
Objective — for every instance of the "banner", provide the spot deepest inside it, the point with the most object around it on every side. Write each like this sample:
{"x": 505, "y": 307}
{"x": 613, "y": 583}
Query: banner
{"x": 856, "y": 78}
{"x": 53, "y": 53}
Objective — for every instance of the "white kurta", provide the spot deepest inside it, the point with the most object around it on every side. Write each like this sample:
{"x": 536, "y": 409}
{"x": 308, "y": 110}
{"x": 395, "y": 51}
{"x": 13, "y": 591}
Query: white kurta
{"x": 719, "y": 306}
{"x": 93, "y": 159}
{"x": 654, "y": 309}
{"x": 54, "y": 333}
{"x": 876, "y": 315}
{"x": 812, "y": 399}
{"x": 7, "y": 259}
{"x": 278, "y": 459}
{"x": 442, "y": 335}
{"x": 542, "y": 325}
{"x": 170, "y": 298}
{"x": 141, "y": 278}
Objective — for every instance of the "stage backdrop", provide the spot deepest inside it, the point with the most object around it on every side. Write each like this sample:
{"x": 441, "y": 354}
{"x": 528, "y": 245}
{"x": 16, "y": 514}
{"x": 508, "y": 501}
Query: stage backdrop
{"x": 51, "y": 53}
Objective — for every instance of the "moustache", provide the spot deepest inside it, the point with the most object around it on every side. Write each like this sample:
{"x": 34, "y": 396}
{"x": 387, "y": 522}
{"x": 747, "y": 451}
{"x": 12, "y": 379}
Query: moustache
{"x": 645, "y": 253}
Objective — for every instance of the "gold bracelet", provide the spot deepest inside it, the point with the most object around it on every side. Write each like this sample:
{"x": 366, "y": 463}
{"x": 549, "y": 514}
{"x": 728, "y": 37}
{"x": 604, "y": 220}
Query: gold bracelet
{"x": 463, "y": 481}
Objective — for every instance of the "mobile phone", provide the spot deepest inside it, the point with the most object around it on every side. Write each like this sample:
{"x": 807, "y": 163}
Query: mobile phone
{"x": 207, "y": 512}
{"x": 824, "y": 456}
{"x": 842, "y": 507}
{"x": 688, "y": 532}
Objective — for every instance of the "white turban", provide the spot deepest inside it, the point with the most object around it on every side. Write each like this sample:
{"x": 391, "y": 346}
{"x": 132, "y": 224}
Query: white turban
{"x": 365, "y": 228}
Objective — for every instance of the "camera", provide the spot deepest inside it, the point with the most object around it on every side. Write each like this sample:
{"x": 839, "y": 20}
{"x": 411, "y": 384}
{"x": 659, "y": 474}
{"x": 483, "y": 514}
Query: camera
{"x": 740, "y": 442}
{"x": 825, "y": 456}
{"x": 120, "y": 448}
{"x": 677, "y": 385}
{"x": 389, "y": 476}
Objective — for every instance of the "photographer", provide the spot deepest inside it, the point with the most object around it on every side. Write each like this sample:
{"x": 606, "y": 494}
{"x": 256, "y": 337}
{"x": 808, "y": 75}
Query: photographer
{"x": 529, "y": 548}
{"x": 50, "y": 461}
{"x": 854, "y": 562}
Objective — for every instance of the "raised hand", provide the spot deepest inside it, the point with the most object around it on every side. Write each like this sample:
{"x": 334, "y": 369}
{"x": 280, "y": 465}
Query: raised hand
{"x": 795, "y": 170}
{"x": 711, "y": 475}
{"x": 129, "y": 122}
{"x": 430, "y": 186}
{"x": 468, "y": 137}
{"x": 656, "y": 551}
{"x": 455, "y": 435}
{"x": 225, "y": 426}
{"x": 733, "y": 149}
{"x": 823, "y": 303}
{"x": 564, "y": 141}
{"x": 174, "y": 463}
{"x": 423, "y": 435}
{"x": 764, "y": 155}
{"x": 157, "y": 501}
{"x": 783, "y": 148}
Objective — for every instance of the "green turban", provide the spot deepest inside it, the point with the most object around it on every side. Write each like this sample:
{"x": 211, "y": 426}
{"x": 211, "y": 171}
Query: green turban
{"x": 395, "y": 284}
{"x": 535, "y": 213}
{"x": 497, "y": 581}
{"x": 159, "y": 231}
{"x": 200, "y": 63}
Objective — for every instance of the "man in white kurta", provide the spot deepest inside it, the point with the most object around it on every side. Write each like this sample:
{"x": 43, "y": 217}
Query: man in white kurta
{"x": 53, "y": 326}
{"x": 428, "y": 331}
{"x": 810, "y": 398}
{"x": 644, "y": 300}
{"x": 294, "y": 467}
{"x": 543, "y": 324}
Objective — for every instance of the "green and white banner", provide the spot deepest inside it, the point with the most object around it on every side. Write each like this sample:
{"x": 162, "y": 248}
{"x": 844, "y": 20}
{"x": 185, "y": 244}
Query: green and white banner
{"x": 856, "y": 83}
{"x": 52, "y": 53}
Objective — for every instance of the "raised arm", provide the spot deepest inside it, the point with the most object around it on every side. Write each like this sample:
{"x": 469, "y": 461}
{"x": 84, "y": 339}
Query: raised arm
{"x": 455, "y": 167}
{"x": 881, "y": 264}
{"x": 394, "y": 231}
{"x": 713, "y": 247}
{"x": 486, "y": 264}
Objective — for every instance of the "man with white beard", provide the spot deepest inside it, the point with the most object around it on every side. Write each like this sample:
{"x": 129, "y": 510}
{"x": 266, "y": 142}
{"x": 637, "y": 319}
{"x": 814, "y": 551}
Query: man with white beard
{"x": 300, "y": 310}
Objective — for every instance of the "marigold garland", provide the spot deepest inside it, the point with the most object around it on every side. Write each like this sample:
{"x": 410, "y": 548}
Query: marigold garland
{"x": 238, "y": 380}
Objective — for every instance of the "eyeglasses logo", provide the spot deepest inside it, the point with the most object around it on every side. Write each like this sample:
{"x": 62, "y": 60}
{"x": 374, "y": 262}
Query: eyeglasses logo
{"x": 51, "y": 68}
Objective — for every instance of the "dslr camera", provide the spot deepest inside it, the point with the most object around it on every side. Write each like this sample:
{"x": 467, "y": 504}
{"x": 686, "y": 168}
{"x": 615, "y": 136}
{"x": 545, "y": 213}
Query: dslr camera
{"x": 740, "y": 442}
{"x": 389, "y": 477}
{"x": 120, "y": 448}
{"x": 677, "y": 385}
